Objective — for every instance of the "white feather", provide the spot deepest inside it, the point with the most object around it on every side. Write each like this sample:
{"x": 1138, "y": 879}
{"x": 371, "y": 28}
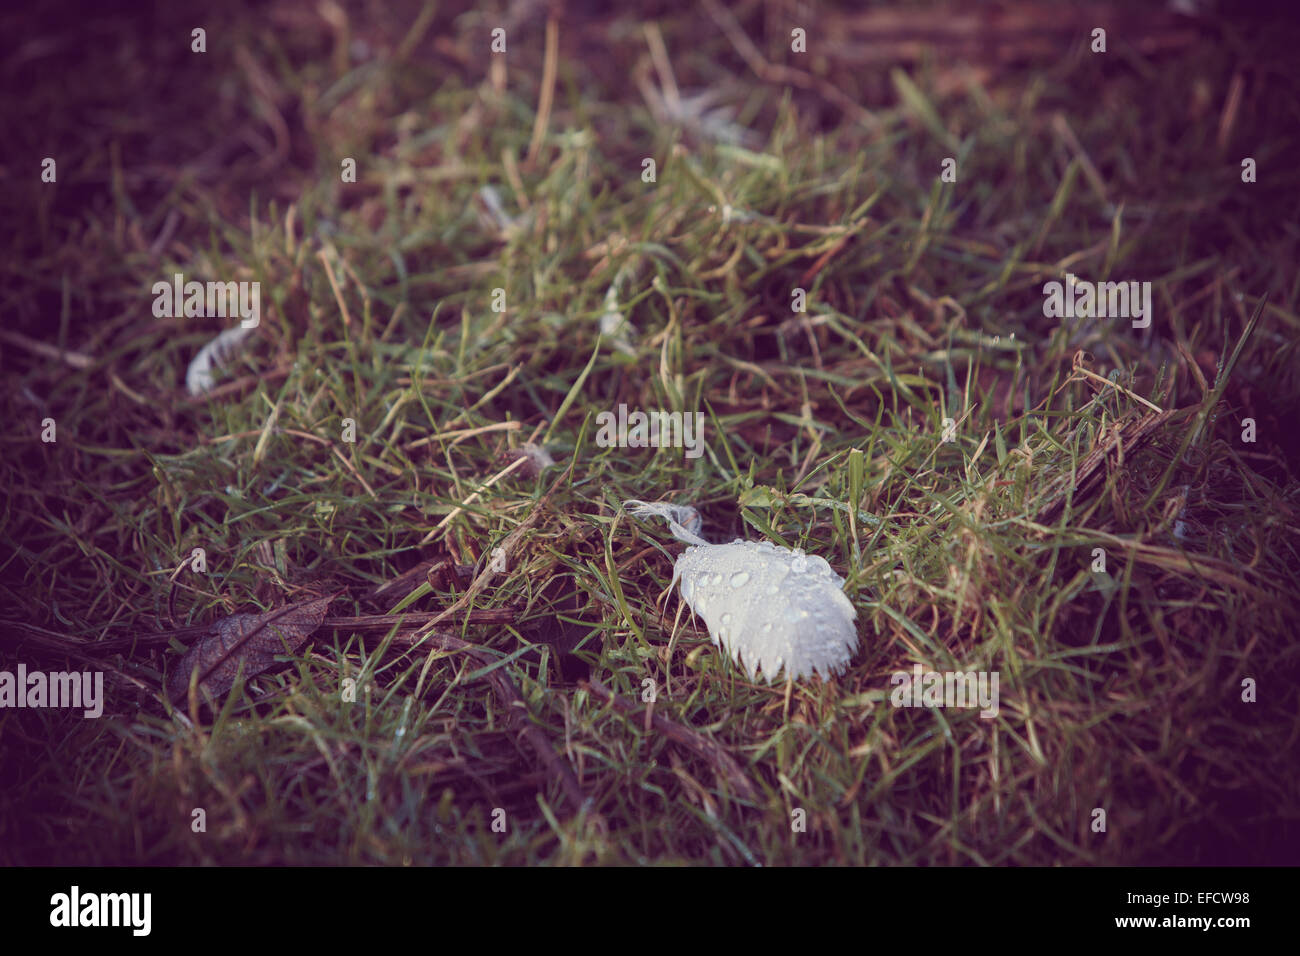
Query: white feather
{"x": 771, "y": 609}
{"x": 214, "y": 355}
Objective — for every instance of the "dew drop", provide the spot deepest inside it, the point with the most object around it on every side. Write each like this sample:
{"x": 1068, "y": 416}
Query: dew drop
{"x": 800, "y": 564}
{"x": 740, "y": 579}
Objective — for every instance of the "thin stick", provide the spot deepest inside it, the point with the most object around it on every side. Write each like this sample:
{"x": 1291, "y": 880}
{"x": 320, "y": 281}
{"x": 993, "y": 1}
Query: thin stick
{"x": 1080, "y": 370}
{"x": 68, "y": 357}
{"x": 517, "y": 711}
{"x": 515, "y": 707}
{"x": 712, "y": 752}
{"x": 547, "y": 96}
{"x": 772, "y": 73}
{"x": 462, "y": 433}
{"x": 334, "y": 284}
{"x": 517, "y": 463}
{"x": 1061, "y": 127}
{"x": 507, "y": 547}
{"x": 355, "y": 474}
{"x": 231, "y": 388}
{"x": 663, "y": 66}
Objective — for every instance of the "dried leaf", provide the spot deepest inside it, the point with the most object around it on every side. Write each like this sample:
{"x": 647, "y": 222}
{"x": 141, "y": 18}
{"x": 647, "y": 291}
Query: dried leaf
{"x": 252, "y": 640}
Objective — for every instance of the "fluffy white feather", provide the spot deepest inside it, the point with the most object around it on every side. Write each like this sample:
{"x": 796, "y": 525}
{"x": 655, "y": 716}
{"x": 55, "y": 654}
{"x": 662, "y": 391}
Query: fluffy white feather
{"x": 771, "y": 609}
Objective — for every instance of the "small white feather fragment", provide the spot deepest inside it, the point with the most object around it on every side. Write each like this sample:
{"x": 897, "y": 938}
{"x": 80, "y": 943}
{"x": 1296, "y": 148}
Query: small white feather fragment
{"x": 540, "y": 457}
{"x": 536, "y": 459}
{"x": 214, "y": 355}
{"x": 769, "y": 608}
{"x": 613, "y": 323}
{"x": 495, "y": 215}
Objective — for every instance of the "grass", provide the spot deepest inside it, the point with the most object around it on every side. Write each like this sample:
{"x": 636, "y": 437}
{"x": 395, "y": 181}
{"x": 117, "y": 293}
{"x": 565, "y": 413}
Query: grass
{"x": 1121, "y": 689}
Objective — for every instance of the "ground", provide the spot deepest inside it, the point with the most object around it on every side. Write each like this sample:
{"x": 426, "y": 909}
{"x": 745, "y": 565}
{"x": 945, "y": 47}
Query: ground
{"x": 828, "y": 231}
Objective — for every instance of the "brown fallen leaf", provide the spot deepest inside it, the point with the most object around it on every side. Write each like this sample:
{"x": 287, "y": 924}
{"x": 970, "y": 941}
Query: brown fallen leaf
{"x": 252, "y": 640}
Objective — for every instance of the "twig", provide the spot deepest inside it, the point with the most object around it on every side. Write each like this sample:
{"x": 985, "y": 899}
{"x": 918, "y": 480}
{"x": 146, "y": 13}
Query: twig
{"x": 67, "y": 356}
{"x": 234, "y": 386}
{"x": 507, "y": 546}
{"x": 410, "y": 620}
{"x": 516, "y": 708}
{"x": 773, "y": 73}
{"x": 1126, "y": 438}
{"x": 714, "y": 753}
{"x": 549, "y": 60}
{"x": 406, "y": 625}
{"x": 59, "y": 645}
{"x": 1080, "y": 369}
{"x": 355, "y": 474}
{"x": 459, "y": 433}
{"x": 334, "y": 286}
{"x": 517, "y": 463}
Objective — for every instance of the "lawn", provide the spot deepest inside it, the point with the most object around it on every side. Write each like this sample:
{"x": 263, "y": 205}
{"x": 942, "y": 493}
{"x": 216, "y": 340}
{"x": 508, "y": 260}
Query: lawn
{"x": 826, "y": 237}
